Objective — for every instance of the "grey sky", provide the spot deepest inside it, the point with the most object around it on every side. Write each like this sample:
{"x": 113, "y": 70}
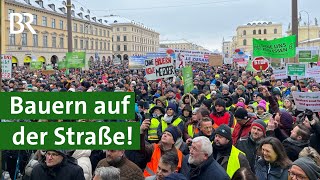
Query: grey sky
{"x": 204, "y": 22}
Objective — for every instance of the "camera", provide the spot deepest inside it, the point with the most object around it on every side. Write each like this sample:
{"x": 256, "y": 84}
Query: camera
{"x": 308, "y": 113}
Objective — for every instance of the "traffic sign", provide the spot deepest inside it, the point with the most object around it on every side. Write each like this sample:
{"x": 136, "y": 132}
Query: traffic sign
{"x": 260, "y": 64}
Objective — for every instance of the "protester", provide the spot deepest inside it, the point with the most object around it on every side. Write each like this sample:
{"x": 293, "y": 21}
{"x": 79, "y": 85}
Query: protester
{"x": 107, "y": 173}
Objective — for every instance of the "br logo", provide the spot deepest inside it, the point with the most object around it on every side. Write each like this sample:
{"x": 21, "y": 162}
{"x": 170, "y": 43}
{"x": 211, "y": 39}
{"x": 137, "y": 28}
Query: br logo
{"x": 19, "y": 22}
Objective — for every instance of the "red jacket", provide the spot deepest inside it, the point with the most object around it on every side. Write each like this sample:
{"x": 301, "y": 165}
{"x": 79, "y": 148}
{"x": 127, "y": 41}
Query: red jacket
{"x": 241, "y": 131}
{"x": 226, "y": 118}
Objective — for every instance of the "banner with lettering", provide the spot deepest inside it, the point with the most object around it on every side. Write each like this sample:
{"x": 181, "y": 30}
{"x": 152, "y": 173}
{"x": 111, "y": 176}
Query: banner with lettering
{"x": 6, "y": 65}
{"x": 159, "y": 65}
{"x": 137, "y": 62}
{"x": 307, "y": 100}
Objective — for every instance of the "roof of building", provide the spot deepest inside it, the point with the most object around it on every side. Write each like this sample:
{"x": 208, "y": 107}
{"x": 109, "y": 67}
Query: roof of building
{"x": 182, "y": 41}
{"x": 80, "y": 12}
{"x": 255, "y": 23}
{"x": 310, "y": 41}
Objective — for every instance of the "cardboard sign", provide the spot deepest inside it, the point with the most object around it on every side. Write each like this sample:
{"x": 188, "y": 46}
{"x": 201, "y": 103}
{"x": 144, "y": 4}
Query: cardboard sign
{"x": 215, "y": 60}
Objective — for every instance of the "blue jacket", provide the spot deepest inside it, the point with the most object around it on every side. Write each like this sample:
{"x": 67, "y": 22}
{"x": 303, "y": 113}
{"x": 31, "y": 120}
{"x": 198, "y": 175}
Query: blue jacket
{"x": 267, "y": 171}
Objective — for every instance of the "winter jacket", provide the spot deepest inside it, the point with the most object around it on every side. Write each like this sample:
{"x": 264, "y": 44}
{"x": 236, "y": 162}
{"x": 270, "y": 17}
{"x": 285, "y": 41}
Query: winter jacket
{"x": 211, "y": 137}
{"x": 82, "y": 156}
{"x": 235, "y": 96}
{"x": 222, "y": 118}
{"x": 266, "y": 171}
{"x": 265, "y": 117}
{"x": 249, "y": 147}
{"x": 293, "y": 147}
{"x": 66, "y": 170}
{"x": 207, "y": 170}
{"x": 241, "y": 131}
{"x": 315, "y": 137}
{"x": 180, "y": 125}
{"x": 128, "y": 170}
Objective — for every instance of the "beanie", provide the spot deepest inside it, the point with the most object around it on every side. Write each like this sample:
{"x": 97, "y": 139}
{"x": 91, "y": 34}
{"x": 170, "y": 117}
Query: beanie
{"x": 263, "y": 105}
{"x": 260, "y": 124}
{"x": 309, "y": 166}
{"x": 207, "y": 103}
{"x": 220, "y": 102}
{"x": 174, "y": 131}
{"x": 60, "y": 152}
{"x": 241, "y": 113}
{"x": 225, "y": 131}
{"x": 241, "y": 104}
{"x": 241, "y": 87}
{"x": 286, "y": 120}
{"x": 172, "y": 106}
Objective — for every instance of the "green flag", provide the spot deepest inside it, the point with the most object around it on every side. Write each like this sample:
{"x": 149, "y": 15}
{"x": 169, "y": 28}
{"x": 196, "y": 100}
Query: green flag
{"x": 249, "y": 66}
{"x": 35, "y": 65}
{"x": 75, "y": 59}
{"x": 278, "y": 48}
{"x": 187, "y": 79}
{"x": 62, "y": 64}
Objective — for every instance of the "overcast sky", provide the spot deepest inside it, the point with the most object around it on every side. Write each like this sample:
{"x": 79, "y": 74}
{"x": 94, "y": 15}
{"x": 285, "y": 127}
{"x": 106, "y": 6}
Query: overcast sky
{"x": 204, "y": 22}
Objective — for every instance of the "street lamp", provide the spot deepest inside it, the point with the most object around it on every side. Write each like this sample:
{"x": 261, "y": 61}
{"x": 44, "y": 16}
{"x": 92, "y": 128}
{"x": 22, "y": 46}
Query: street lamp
{"x": 308, "y": 22}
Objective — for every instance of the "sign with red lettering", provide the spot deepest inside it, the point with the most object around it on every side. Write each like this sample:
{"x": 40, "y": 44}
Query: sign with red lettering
{"x": 6, "y": 63}
{"x": 260, "y": 64}
{"x": 159, "y": 65}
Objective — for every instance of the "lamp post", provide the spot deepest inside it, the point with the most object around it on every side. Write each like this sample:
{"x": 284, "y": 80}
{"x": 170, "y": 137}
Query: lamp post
{"x": 308, "y": 22}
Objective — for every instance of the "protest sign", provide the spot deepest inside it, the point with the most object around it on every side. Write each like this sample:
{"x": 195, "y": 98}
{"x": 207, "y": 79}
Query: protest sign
{"x": 307, "y": 100}
{"x": 158, "y": 65}
{"x": 180, "y": 61}
{"x": 308, "y": 54}
{"x": 278, "y": 48}
{"x": 137, "y": 62}
{"x": 215, "y": 60}
{"x": 75, "y": 59}
{"x": 192, "y": 55}
{"x": 314, "y": 73}
{"x": 116, "y": 61}
{"x": 296, "y": 69}
{"x": 35, "y": 65}
{"x": 187, "y": 79}
{"x": 227, "y": 60}
{"x": 280, "y": 74}
{"x": 6, "y": 65}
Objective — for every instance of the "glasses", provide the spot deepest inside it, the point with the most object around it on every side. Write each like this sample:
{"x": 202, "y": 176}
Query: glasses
{"x": 52, "y": 154}
{"x": 298, "y": 176}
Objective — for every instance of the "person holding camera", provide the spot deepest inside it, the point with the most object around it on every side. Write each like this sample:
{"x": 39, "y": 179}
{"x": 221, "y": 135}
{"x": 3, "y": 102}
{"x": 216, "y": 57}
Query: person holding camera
{"x": 312, "y": 123}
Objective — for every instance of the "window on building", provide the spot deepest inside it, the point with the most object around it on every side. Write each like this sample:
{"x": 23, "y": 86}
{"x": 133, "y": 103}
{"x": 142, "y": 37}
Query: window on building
{"x": 104, "y": 33}
{"x": 265, "y": 31}
{"x": 12, "y": 39}
{"x": 319, "y": 34}
{"x": 81, "y": 28}
{"x": 54, "y": 42}
{"x": 100, "y": 32}
{"x": 61, "y": 24}
{"x": 124, "y": 38}
{"x": 254, "y": 32}
{"x": 275, "y": 31}
{"x": 244, "y": 32}
{"x": 45, "y": 41}
{"x": 53, "y": 23}
{"x": 118, "y": 38}
{"x": 100, "y": 45}
{"x": 108, "y": 33}
{"x": 259, "y": 32}
{"x": 24, "y": 20}
{"x": 124, "y": 28}
{"x": 24, "y": 39}
{"x": 125, "y": 48}
{"x": 105, "y": 46}
{"x": 96, "y": 29}
{"x": 40, "y": 3}
{"x": 118, "y": 48}
{"x": 75, "y": 27}
{"x": 75, "y": 43}
{"x": 44, "y": 21}
{"x": 108, "y": 46}
{"x": 92, "y": 43}
{"x": 118, "y": 29}
{"x": 87, "y": 44}
{"x": 81, "y": 44}
{"x": 35, "y": 40}
{"x": 9, "y": 12}
{"x": 35, "y": 19}
{"x": 244, "y": 42}
{"x": 61, "y": 42}
{"x": 97, "y": 45}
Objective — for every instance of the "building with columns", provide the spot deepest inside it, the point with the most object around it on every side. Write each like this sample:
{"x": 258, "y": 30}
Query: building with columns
{"x": 181, "y": 44}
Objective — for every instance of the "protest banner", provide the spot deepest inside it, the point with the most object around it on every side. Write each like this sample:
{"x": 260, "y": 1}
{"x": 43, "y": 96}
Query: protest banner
{"x": 62, "y": 65}
{"x": 187, "y": 79}
{"x": 35, "y": 65}
{"x": 159, "y": 65}
{"x": 180, "y": 61}
{"x": 75, "y": 59}
{"x": 215, "y": 60}
{"x": 314, "y": 73}
{"x": 227, "y": 60}
{"x": 189, "y": 55}
{"x": 277, "y": 48}
{"x": 294, "y": 69}
{"x": 280, "y": 74}
{"x": 307, "y": 100}
{"x": 6, "y": 65}
{"x": 308, "y": 54}
{"x": 137, "y": 62}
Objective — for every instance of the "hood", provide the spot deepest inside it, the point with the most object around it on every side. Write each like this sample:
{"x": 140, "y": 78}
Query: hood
{"x": 81, "y": 153}
{"x": 191, "y": 97}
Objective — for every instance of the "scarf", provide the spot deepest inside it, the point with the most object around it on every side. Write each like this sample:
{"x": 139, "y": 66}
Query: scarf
{"x": 167, "y": 119}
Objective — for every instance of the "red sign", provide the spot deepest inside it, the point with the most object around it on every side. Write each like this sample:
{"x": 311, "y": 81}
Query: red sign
{"x": 260, "y": 64}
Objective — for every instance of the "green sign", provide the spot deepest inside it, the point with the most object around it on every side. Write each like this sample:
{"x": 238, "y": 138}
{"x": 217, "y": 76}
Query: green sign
{"x": 187, "y": 79}
{"x": 308, "y": 54}
{"x": 249, "y": 66}
{"x": 296, "y": 69}
{"x": 62, "y": 65}
{"x": 66, "y": 135}
{"x": 67, "y": 105}
{"x": 35, "y": 65}
{"x": 75, "y": 59}
{"x": 278, "y": 48}
{"x": 49, "y": 67}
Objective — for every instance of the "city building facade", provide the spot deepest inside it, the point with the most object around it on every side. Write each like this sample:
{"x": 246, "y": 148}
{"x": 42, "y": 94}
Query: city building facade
{"x": 308, "y": 36}
{"x": 227, "y": 48}
{"x": 181, "y": 44}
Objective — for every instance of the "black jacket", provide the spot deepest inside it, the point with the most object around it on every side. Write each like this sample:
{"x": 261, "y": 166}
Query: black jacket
{"x": 249, "y": 147}
{"x": 66, "y": 170}
{"x": 294, "y": 147}
{"x": 315, "y": 137}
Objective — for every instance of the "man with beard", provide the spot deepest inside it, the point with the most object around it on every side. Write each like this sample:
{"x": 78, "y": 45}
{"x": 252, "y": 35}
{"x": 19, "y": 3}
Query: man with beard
{"x": 299, "y": 139}
{"x": 116, "y": 158}
{"x": 227, "y": 155}
{"x": 249, "y": 144}
{"x": 199, "y": 164}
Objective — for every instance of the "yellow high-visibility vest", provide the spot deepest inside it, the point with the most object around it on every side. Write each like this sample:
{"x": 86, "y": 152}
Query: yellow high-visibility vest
{"x": 152, "y": 132}
{"x": 233, "y": 161}
{"x": 164, "y": 125}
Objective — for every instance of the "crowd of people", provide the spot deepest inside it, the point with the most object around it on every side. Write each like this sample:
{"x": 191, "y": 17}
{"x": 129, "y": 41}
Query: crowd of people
{"x": 234, "y": 124}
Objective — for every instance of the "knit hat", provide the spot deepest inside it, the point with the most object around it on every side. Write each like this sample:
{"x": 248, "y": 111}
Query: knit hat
{"x": 195, "y": 91}
{"x": 241, "y": 87}
{"x": 316, "y": 85}
{"x": 286, "y": 120}
{"x": 157, "y": 107}
{"x": 241, "y": 113}
{"x": 172, "y": 106}
{"x": 260, "y": 95}
{"x": 174, "y": 131}
{"x": 241, "y": 104}
{"x": 309, "y": 166}
{"x": 263, "y": 105}
{"x": 169, "y": 90}
{"x": 260, "y": 124}
{"x": 220, "y": 102}
{"x": 175, "y": 176}
{"x": 207, "y": 103}
{"x": 60, "y": 152}
{"x": 225, "y": 131}
{"x": 224, "y": 86}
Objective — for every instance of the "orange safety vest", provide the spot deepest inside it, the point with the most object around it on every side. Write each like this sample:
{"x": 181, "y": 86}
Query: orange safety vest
{"x": 152, "y": 166}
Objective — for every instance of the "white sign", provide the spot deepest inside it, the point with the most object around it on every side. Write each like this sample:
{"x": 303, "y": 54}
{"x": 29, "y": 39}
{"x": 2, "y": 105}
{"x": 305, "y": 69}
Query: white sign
{"x": 6, "y": 64}
{"x": 280, "y": 74}
{"x": 158, "y": 66}
{"x": 116, "y": 61}
{"x": 227, "y": 60}
{"x": 314, "y": 72}
{"x": 307, "y": 100}
{"x": 180, "y": 61}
